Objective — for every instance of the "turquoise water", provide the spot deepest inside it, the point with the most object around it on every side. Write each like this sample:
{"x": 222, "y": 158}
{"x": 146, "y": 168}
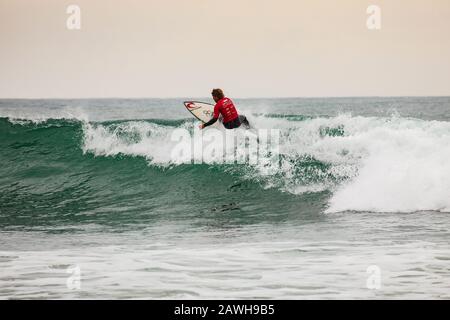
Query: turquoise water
{"x": 92, "y": 184}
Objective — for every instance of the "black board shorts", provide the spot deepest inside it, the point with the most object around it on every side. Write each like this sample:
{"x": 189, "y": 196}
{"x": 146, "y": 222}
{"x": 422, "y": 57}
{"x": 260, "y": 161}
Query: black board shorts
{"x": 236, "y": 123}
{"x": 233, "y": 124}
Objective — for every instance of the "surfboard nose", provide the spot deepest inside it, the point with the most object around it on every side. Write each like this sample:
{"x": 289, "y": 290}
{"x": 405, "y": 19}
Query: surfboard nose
{"x": 201, "y": 110}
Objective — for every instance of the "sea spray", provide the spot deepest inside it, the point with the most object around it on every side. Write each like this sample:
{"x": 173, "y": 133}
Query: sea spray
{"x": 385, "y": 164}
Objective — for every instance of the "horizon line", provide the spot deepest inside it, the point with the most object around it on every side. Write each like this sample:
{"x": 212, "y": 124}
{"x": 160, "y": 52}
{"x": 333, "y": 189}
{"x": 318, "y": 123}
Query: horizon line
{"x": 235, "y": 97}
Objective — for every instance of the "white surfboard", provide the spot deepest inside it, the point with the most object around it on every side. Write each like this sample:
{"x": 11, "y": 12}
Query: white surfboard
{"x": 201, "y": 110}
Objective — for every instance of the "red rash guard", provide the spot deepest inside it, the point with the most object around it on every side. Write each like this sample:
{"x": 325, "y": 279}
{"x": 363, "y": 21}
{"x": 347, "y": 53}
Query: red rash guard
{"x": 225, "y": 107}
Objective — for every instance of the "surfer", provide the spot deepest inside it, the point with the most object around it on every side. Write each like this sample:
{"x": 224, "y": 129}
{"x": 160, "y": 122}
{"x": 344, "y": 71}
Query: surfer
{"x": 225, "y": 107}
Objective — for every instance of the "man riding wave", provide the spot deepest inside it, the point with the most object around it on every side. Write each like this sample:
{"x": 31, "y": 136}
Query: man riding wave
{"x": 225, "y": 107}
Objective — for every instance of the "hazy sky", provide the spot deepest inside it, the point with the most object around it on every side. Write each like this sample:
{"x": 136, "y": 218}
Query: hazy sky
{"x": 250, "y": 48}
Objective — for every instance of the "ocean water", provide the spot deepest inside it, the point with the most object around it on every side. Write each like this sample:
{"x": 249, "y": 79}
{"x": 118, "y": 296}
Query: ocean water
{"x": 94, "y": 205}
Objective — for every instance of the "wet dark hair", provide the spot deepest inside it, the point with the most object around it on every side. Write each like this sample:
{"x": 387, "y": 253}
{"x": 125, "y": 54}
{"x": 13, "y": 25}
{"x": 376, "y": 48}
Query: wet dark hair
{"x": 218, "y": 93}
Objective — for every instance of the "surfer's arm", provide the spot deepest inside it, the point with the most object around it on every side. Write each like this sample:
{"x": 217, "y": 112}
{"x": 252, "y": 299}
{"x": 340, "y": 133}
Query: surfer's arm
{"x": 214, "y": 118}
{"x": 210, "y": 122}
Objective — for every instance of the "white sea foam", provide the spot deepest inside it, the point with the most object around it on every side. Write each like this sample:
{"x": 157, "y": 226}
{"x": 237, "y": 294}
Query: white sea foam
{"x": 373, "y": 164}
{"x": 406, "y": 168}
{"x": 135, "y": 138}
{"x": 158, "y": 143}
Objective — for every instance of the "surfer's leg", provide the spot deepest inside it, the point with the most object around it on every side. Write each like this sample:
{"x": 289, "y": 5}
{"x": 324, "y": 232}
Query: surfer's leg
{"x": 244, "y": 121}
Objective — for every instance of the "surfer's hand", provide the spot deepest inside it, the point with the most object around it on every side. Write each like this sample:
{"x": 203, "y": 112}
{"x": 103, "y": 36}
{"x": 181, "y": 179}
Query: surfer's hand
{"x": 201, "y": 126}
